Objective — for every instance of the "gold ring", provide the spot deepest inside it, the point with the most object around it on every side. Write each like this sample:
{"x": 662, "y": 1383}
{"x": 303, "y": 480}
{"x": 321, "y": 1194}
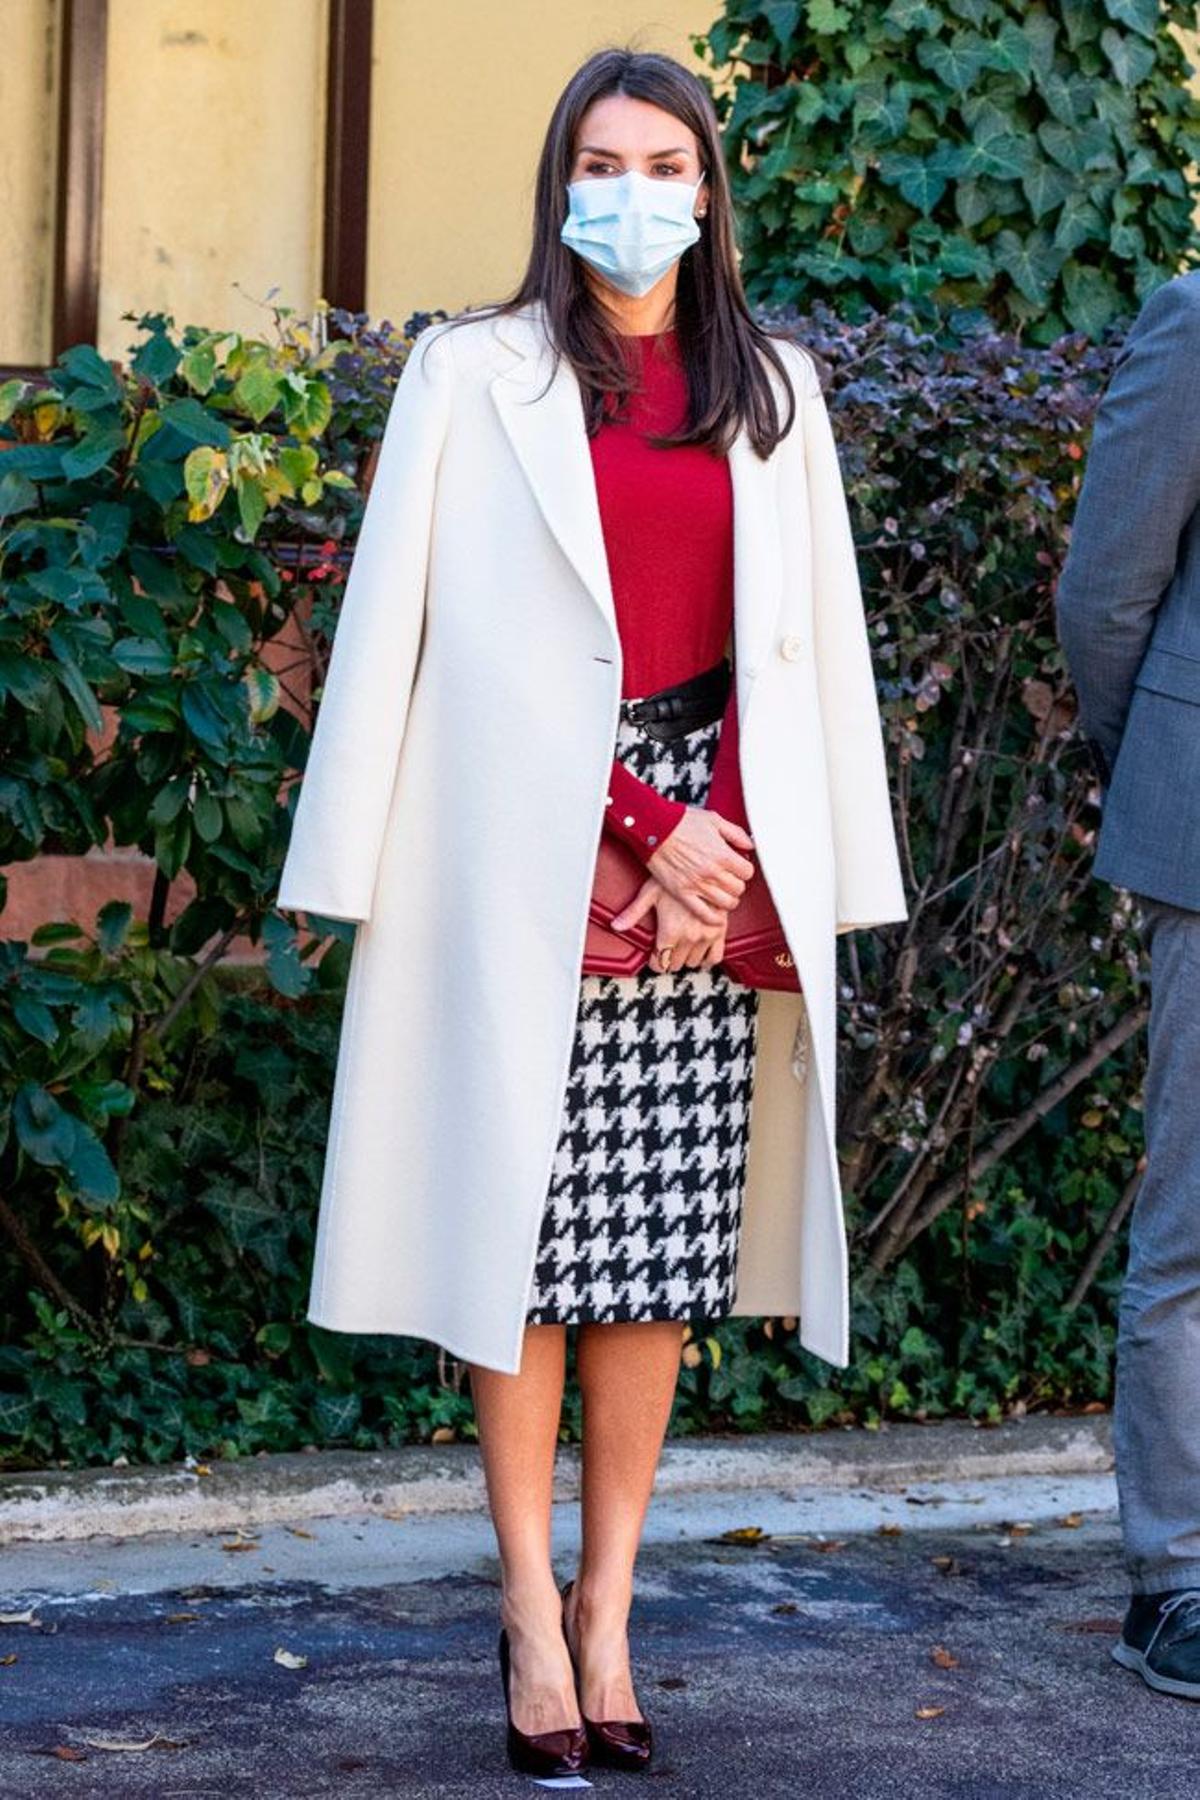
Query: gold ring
{"x": 664, "y": 952}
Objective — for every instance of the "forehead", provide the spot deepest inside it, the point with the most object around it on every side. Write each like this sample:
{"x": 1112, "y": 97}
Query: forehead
{"x": 621, "y": 122}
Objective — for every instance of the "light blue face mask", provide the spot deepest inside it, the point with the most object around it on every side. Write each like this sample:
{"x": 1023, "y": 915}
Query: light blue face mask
{"x": 631, "y": 227}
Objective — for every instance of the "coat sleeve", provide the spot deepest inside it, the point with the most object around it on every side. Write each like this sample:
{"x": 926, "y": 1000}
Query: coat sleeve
{"x": 1141, "y": 487}
{"x": 869, "y": 888}
{"x": 340, "y": 816}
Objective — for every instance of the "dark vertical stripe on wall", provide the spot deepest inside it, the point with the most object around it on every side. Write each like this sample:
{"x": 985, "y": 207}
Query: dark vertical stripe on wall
{"x": 347, "y": 147}
{"x": 80, "y": 158}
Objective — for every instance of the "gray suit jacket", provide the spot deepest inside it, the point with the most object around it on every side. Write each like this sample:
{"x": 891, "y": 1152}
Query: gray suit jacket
{"x": 1129, "y": 602}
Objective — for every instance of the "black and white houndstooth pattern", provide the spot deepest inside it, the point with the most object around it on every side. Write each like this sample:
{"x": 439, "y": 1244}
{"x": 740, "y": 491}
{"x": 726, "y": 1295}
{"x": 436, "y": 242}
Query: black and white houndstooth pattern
{"x": 643, "y": 1212}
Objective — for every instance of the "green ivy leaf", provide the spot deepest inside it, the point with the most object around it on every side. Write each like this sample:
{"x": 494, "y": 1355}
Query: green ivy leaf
{"x": 1042, "y": 33}
{"x": 1139, "y": 15}
{"x": 826, "y": 17}
{"x": 1032, "y": 263}
{"x": 913, "y": 15}
{"x": 1045, "y": 187}
{"x": 336, "y": 1415}
{"x": 957, "y": 61}
{"x": 1078, "y": 150}
{"x": 1079, "y": 222}
{"x": 917, "y": 178}
{"x": 1092, "y": 301}
{"x": 1131, "y": 61}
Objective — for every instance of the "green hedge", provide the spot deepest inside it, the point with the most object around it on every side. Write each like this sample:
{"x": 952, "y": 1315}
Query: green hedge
{"x": 164, "y": 1117}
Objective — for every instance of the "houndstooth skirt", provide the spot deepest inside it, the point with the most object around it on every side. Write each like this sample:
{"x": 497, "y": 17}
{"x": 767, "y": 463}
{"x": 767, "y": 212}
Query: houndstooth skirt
{"x": 643, "y": 1213}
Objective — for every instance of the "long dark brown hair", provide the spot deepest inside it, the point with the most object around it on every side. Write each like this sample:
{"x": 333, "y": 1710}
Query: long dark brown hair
{"x": 720, "y": 342}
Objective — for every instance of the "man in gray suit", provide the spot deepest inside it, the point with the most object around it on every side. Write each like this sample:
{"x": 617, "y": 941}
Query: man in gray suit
{"x": 1129, "y": 621}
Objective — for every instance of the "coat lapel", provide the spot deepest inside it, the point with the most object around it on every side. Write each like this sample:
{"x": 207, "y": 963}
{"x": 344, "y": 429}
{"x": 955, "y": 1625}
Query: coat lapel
{"x": 543, "y": 418}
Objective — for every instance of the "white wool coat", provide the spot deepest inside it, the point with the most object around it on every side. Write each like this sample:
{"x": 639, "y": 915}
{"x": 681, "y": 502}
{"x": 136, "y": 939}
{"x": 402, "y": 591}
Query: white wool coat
{"x": 453, "y": 801}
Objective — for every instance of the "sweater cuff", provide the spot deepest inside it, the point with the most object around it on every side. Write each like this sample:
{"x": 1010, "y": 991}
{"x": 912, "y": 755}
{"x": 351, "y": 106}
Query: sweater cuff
{"x": 638, "y": 813}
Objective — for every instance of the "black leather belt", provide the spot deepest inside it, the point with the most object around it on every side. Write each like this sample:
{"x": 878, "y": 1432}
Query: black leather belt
{"x": 673, "y": 711}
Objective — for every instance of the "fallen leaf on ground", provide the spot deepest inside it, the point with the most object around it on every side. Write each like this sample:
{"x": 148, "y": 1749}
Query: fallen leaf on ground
{"x": 68, "y": 1753}
{"x": 242, "y": 1544}
{"x": 888, "y": 1529}
{"x": 288, "y": 1659}
{"x": 7, "y": 1661}
{"x": 929, "y": 1712}
{"x": 742, "y": 1534}
{"x": 781, "y": 1606}
{"x": 948, "y": 1565}
{"x": 1071, "y": 1520}
{"x": 298, "y": 1531}
{"x": 25, "y": 1618}
{"x": 183, "y": 1618}
{"x": 943, "y": 1657}
{"x": 826, "y": 1544}
{"x": 1109, "y": 1627}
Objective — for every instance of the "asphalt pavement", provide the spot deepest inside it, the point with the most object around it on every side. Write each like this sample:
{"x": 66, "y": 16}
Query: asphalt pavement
{"x": 934, "y": 1641}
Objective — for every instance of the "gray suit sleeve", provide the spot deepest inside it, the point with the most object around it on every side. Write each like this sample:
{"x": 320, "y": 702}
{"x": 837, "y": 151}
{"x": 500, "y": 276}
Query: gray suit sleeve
{"x": 1141, "y": 487}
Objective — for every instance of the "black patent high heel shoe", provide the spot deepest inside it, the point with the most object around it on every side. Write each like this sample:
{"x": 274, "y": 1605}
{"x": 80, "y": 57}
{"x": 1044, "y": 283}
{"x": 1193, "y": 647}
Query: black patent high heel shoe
{"x": 613, "y": 1743}
{"x": 561, "y": 1752}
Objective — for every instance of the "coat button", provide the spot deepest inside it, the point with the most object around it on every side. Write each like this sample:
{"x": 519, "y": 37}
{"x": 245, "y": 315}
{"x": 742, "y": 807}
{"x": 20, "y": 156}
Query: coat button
{"x": 792, "y": 647}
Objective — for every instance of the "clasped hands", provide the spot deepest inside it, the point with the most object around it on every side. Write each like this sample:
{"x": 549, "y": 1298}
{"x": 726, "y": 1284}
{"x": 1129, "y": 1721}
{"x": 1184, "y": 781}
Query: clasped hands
{"x": 696, "y": 877}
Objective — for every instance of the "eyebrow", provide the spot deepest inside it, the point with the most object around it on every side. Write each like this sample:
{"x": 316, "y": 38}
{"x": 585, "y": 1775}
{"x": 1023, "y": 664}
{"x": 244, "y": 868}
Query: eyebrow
{"x": 598, "y": 150}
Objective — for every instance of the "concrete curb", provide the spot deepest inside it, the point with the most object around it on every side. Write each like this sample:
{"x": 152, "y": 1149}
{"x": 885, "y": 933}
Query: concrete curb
{"x": 448, "y": 1478}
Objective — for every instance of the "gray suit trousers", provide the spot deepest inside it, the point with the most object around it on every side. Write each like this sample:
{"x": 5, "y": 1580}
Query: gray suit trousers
{"x": 1157, "y": 1411}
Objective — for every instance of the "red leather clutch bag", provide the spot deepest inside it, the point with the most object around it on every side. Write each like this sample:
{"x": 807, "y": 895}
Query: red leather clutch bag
{"x": 756, "y": 951}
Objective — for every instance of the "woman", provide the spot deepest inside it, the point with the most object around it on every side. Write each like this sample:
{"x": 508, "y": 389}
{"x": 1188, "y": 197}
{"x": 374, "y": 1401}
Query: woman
{"x": 584, "y": 494}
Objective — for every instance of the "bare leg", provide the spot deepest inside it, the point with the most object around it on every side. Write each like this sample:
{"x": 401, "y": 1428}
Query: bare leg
{"x": 518, "y": 1418}
{"x": 627, "y": 1377}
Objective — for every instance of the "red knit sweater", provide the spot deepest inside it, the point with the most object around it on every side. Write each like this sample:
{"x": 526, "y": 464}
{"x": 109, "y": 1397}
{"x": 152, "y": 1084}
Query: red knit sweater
{"x": 667, "y": 516}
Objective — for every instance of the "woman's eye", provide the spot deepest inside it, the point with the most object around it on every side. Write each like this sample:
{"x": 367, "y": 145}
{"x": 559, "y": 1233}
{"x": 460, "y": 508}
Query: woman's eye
{"x": 600, "y": 168}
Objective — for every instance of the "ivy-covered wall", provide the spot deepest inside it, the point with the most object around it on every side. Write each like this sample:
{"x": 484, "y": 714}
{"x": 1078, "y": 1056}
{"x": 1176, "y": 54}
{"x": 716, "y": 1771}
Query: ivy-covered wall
{"x": 1034, "y": 158}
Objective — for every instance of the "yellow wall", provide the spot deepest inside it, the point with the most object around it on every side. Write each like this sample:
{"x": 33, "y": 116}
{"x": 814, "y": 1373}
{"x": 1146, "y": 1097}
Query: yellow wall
{"x": 212, "y": 161}
{"x": 459, "y": 115}
{"x": 28, "y": 143}
{"x": 214, "y": 136}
